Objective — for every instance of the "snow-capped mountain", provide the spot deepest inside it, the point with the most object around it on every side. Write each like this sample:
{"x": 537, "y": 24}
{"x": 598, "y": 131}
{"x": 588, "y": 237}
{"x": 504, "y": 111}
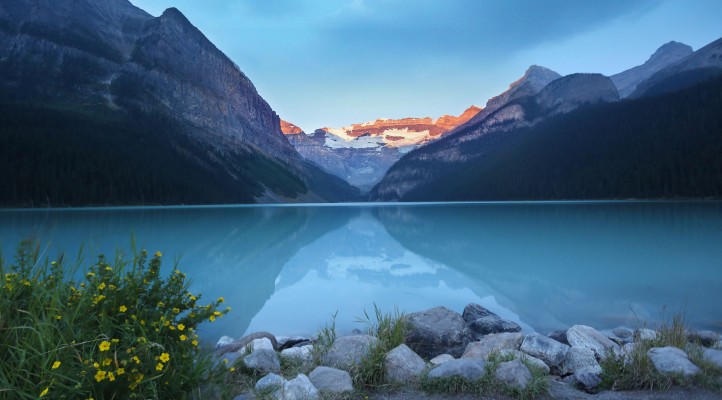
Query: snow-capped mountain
{"x": 362, "y": 153}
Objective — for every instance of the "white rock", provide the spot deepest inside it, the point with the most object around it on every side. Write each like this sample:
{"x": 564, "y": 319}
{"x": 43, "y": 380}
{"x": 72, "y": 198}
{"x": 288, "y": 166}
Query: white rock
{"x": 548, "y": 350}
{"x": 299, "y": 388}
{"x": 261, "y": 344}
{"x": 224, "y": 340}
{"x": 580, "y": 359}
{"x": 331, "y": 380}
{"x": 270, "y": 382}
{"x": 441, "y": 358}
{"x": 402, "y": 365}
{"x": 303, "y": 353}
{"x": 672, "y": 360}
{"x": 590, "y": 338}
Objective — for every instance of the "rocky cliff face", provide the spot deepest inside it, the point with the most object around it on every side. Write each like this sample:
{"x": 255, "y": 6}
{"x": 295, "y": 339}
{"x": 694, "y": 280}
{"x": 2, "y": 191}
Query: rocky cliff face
{"x": 527, "y": 103}
{"x": 112, "y": 54}
{"x": 362, "y": 153}
{"x": 570, "y": 92}
{"x": 668, "y": 54}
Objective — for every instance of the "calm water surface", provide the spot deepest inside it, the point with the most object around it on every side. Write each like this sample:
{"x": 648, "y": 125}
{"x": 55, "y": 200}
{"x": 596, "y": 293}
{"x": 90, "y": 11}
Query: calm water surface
{"x": 287, "y": 269}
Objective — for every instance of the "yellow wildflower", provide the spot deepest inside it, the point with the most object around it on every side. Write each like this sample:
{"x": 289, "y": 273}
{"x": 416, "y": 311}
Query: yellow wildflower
{"x": 56, "y": 365}
{"x": 165, "y": 357}
{"x": 44, "y": 392}
{"x": 175, "y": 310}
{"x": 217, "y": 313}
{"x": 120, "y": 371}
{"x": 111, "y": 377}
{"x": 107, "y": 362}
{"x": 195, "y": 342}
{"x": 101, "y": 286}
{"x": 100, "y": 376}
{"x": 104, "y": 345}
{"x": 212, "y": 318}
{"x": 159, "y": 367}
{"x": 221, "y": 299}
{"x": 158, "y": 254}
{"x": 123, "y": 309}
{"x": 181, "y": 327}
{"x": 183, "y": 338}
{"x": 136, "y": 359}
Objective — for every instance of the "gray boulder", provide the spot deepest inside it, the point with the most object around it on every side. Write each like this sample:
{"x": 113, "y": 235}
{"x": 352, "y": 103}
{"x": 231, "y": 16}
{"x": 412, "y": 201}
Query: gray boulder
{"x": 705, "y": 338}
{"x": 587, "y": 380}
{"x": 713, "y": 356}
{"x": 348, "y": 351}
{"x": 438, "y": 331}
{"x": 298, "y": 388}
{"x": 263, "y": 360}
{"x": 620, "y": 335}
{"x": 302, "y": 354}
{"x": 590, "y": 338}
{"x": 645, "y": 334}
{"x": 559, "y": 335}
{"x": 483, "y": 322}
{"x": 491, "y": 343}
{"x": 580, "y": 359}
{"x": 440, "y": 359}
{"x": 518, "y": 355}
{"x": 331, "y": 380}
{"x": 513, "y": 373}
{"x": 672, "y": 360}
{"x": 270, "y": 382}
{"x": 261, "y": 344}
{"x": 402, "y": 365}
{"x": 548, "y": 350}
{"x": 470, "y": 369}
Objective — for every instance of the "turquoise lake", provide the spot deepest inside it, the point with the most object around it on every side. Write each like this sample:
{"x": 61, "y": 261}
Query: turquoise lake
{"x": 288, "y": 269}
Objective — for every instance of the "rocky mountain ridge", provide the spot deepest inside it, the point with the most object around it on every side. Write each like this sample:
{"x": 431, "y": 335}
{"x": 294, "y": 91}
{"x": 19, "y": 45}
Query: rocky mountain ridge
{"x": 527, "y": 102}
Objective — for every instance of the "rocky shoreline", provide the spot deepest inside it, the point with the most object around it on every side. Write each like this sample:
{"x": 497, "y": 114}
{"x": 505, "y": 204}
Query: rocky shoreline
{"x": 441, "y": 345}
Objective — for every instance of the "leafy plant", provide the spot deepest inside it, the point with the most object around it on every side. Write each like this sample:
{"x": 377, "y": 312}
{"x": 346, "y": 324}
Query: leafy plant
{"x": 123, "y": 331}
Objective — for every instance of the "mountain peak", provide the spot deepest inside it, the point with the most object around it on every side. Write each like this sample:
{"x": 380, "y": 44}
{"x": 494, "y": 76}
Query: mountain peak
{"x": 671, "y": 50}
{"x": 290, "y": 129}
{"x": 666, "y": 55}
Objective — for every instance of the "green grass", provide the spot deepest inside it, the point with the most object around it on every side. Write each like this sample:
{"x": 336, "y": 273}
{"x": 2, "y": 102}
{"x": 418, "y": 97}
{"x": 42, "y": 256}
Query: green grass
{"x": 122, "y": 331}
{"x": 635, "y": 371}
{"x": 390, "y": 330}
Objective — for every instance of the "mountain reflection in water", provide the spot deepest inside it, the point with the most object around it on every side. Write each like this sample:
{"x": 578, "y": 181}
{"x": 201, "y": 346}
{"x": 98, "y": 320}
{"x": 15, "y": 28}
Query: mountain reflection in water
{"x": 288, "y": 269}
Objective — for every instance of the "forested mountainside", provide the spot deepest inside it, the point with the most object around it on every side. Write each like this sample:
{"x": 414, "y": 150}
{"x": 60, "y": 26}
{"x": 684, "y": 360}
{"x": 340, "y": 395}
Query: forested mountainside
{"x": 104, "y": 104}
{"x": 665, "y": 146}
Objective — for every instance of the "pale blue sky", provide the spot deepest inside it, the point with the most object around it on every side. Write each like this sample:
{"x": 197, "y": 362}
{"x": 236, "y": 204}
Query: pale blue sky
{"x": 335, "y": 62}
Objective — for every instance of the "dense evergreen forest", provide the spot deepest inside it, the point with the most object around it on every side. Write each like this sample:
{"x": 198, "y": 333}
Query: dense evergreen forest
{"x": 53, "y": 156}
{"x": 665, "y": 146}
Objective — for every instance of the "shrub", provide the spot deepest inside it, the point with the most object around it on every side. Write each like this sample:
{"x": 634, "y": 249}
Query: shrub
{"x": 123, "y": 331}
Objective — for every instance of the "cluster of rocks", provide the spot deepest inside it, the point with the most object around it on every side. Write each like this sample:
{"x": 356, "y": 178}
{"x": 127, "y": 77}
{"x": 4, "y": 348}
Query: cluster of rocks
{"x": 458, "y": 346}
